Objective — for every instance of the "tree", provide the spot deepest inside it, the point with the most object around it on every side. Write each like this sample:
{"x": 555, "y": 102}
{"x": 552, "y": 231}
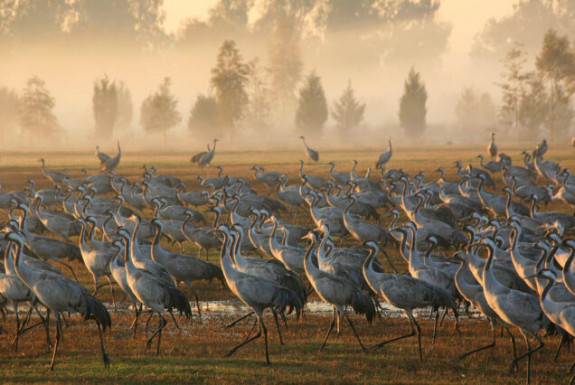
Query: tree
{"x": 125, "y": 107}
{"x": 285, "y": 64}
{"x": 8, "y": 110}
{"x": 312, "y": 112}
{"x": 556, "y": 64}
{"x": 533, "y": 106}
{"x": 204, "y": 116}
{"x": 528, "y": 22}
{"x": 257, "y": 113}
{"x": 412, "y": 110}
{"x": 475, "y": 111}
{"x": 230, "y": 78}
{"x": 105, "y": 107}
{"x": 514, "y": 87}
{"x": 37, "y": 120}
{"x": 158, "y": 112}
{"x": 347, "y": 111}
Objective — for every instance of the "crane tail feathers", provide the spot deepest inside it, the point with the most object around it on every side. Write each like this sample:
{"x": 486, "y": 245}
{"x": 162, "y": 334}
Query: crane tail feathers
{"x": 179, "y": 301}
{"x": 362, "y": 304}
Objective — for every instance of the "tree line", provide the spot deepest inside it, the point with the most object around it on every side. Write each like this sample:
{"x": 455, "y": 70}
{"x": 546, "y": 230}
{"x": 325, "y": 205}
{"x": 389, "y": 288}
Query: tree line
{"x": 247, "y": 95}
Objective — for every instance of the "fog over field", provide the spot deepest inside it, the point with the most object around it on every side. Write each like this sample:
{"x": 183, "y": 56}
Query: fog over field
{"x": 369, "y": 46}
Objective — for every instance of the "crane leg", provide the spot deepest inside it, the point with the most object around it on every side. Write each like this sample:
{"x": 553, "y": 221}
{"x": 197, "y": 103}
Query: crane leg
{"x": 234, "y": 323}
{"x": 197, "y": 301}
{"x": 489, "y": 346}
{"x": 58, "y": 327}
{"x": 564, "y": 341}
{"x": 512, "y": 338}
{"x": 161, "y": 324}
{"x": 112, "y": 291}
{"x": 381, "y": 344}
{"x": 527, "y": 354}
{"x": 354, "y": 332}
{"x": 174, "y": 319}
{"x": 135, "y": 321}
{"x": 246, "y": 341}
{"x": 278, "y": 327}
{"x": 263, "y": 326}
{"x": 104, "y": 355}
{"x": 329, "y": 330}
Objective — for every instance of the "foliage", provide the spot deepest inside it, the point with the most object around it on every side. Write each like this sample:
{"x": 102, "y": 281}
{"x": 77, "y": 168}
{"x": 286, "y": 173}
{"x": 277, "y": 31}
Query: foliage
{"x": 258, "y": 111}
{"x": 533, "y": 106}
{"x": 230, "y": 78}
{"x": 556, "y": 64}
{"x": 513, "y": 87}
{"x": 412, "y": 109}
{"x": 475, "y": 111}
{"x": 159, "y": 112}
{"x": 285, "y": 62}
{"x": 347, "y": 111}
{"x": 36, "y": 116}
{"x": 129, "y": 20}
{"x": 125, "y": 107}
{"x": 528, "y": 22}
{"x": 8, "y": 110}
{"x": 204, "y": 116}
{"x": 105, "y": 107}
{"x": 312, "y": 111}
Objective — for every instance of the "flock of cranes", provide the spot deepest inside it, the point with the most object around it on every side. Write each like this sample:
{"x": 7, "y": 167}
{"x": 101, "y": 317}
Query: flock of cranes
{"x": 502, "y": 256}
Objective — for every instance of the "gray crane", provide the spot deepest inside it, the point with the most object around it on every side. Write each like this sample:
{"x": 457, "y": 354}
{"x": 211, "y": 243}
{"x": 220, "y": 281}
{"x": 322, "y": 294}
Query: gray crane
{"x": 404, "y": 292}
{"x": 60, "y": 294}
{"x": 516, "y": 308}
{"x": 204, "y": 158}
{"x": 338, "y": 291}
{"x": 153, "y": 291}
{"x": 492, "y": 147}
{"x": 57, "y": 177}
{"x": 385, "y": 156}
{"x": 256, "y": 292}
{"x": 182, "y": 267}
{"x": 110, "y": 163}
{"x": 310, "y": 152}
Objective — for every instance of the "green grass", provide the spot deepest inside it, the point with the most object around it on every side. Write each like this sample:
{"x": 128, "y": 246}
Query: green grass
{"x": 195, "y": 353}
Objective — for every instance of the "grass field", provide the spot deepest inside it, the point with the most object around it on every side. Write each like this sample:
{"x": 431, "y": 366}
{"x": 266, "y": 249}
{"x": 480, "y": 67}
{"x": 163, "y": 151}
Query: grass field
{"x": 194, "y": 353}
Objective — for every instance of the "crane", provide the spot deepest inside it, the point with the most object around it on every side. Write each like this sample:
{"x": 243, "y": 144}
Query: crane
{"x": 310, "y": 152}
{"x": 492, "y": 147}
{"x": 256, "y": 292}
{"x": 385, "y": 156}
{"x": 338, "y": 291}
{"x": 60, "y": 294}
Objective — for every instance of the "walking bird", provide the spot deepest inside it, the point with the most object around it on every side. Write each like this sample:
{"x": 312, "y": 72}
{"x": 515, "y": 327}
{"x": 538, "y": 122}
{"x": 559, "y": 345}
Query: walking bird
{"x": 204, "y": 158}
{"x": 492, "y": 147}
{"x": 60, "y": 294}
{"x": 338, "y": 291}
{"x": 404, "y": 292}
{"x": 310, "y": 152}
{"x": 153, "y": 291}
{"x": 384, "y": 157}
{"x": 256, "y": 292}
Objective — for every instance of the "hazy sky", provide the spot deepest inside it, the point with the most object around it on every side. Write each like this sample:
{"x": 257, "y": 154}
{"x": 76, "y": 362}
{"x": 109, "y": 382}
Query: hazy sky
{"x": 467, "y": 16}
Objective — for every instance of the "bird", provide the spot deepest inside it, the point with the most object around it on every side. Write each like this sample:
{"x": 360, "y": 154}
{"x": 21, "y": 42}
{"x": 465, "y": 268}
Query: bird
{"x": 153, "y": 291}
{"x": 103, "y": 157}
{"x": 60, "y": 294}
{"x": 57, "y": 177}
{"x": 338, "y": 291}
{"x": 204, "y": 158}
{"x": 516, "y": 308}
{"x": 492, "y": 147}
{"x": 384, "y": 157}
{"x": 310, "y": 152}
{"x": 404, "y": 292}
{"x": 256, "y": 292}
{"x": 110, "y": 163}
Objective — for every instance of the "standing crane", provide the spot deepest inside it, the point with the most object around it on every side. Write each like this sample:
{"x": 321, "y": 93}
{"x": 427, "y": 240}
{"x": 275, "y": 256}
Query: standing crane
{"x": 310, "y": 152}
{"x": 153, "y": 291}
{"x": 256, "y": 292}
{"x": 404, "y": 292}
{"x": 110, "y": 163}
{"x": 204, "y": 158}
{"x": 516, "y": 308}
{"x": 492, "y": 147}
{"x": 384, "y": 157}
{"x": 338, "y": 291}
{"x": 60, "y": 294}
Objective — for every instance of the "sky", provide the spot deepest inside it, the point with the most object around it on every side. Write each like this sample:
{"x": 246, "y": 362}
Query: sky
{"x": 467, "y": 16}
